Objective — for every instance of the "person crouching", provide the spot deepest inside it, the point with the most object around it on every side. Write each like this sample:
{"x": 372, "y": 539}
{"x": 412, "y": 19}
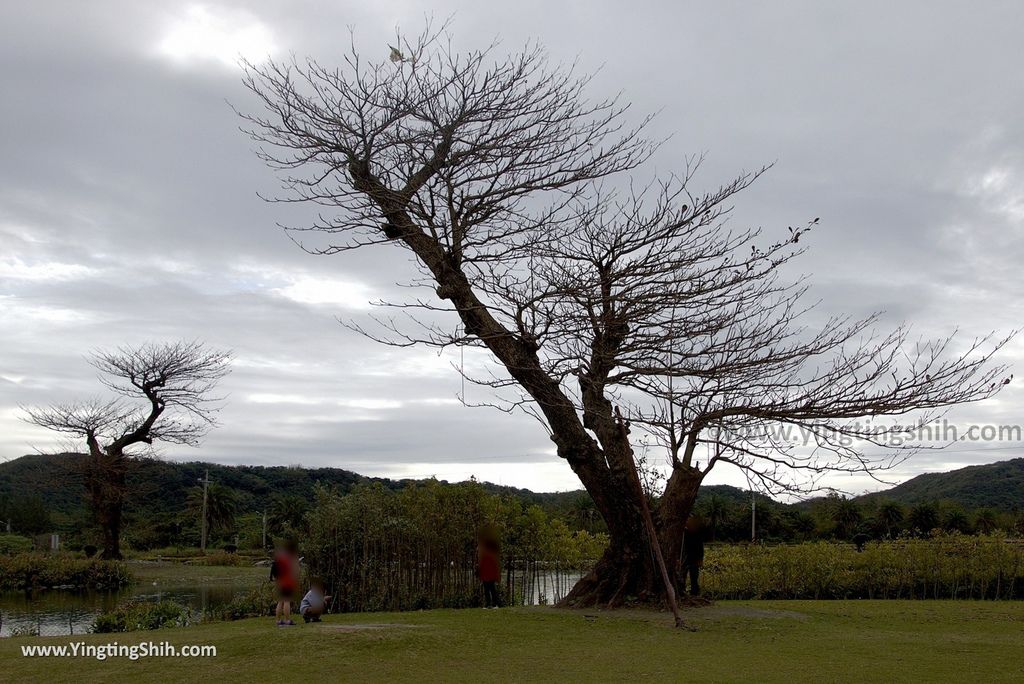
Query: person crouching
{"x": 314, "y": 603}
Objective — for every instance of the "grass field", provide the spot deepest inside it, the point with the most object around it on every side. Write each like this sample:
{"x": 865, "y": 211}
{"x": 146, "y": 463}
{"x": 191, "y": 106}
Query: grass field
{"x": 738, "y": 641}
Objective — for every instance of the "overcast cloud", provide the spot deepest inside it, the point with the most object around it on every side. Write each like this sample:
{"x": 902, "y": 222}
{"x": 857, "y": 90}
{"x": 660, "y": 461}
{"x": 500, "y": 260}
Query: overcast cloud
{"x": 128, "y": 206}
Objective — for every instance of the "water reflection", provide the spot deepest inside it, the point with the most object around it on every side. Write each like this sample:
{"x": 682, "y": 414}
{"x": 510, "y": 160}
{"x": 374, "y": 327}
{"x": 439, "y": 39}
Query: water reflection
{"x": 58, "y": 612}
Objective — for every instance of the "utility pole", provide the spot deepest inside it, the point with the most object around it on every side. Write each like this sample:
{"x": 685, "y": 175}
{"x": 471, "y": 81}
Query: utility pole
{"x": 753, "y": 507}
{"x": 264, "y": 529}
{"x": 753, "y": 517}
{"x": 206, "y": 487}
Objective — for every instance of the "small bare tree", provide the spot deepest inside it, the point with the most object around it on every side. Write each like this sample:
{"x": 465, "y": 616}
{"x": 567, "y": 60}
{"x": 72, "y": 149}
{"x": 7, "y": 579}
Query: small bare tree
{"x": 162, "y": 394}
{"x": 611, "y": 313}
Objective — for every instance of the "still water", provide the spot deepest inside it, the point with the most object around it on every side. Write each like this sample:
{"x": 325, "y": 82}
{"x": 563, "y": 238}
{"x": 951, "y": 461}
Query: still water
{"x": 57, "y": 612}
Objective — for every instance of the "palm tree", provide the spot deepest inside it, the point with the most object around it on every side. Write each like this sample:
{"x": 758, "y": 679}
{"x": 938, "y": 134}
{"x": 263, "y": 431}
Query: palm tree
{"x": 889, "y": 516}
{"x": 716, "y": 508}
{"x": 221, "y": 506}
{"x": 846, "y": 517}
{"x": 924, "y": 517}
{"x": 956, "y": 521}
{"x": 287, "y": 512}
{"x": 584, "y": 512}
{"x": 986, "y": 521}
{"x": 803, "y": 523}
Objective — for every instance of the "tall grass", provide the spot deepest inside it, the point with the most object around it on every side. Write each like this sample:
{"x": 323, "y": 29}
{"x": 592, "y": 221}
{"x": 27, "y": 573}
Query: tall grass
{"x": 946, "y": 566}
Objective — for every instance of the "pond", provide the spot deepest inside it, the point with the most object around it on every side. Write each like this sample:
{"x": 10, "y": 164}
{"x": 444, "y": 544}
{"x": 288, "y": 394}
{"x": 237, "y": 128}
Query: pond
{"x": 58, "y": 612}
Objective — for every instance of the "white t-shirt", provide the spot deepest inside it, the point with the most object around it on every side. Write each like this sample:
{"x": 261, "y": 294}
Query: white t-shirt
{"x": 312, "y": 600}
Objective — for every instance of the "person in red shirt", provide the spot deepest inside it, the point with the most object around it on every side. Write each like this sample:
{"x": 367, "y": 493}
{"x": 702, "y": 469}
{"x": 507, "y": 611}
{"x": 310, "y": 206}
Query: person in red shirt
{"x": 488, "y": 553}
{"x": 285, "y": 573}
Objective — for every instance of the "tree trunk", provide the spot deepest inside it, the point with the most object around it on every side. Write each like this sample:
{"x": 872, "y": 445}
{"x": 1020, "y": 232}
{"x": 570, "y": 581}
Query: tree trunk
{"x": 604, "y": 465}
{"x": 105, "y": 478}
{"x": 110, "y": 522}
{"x": 627, "y": 571}
{"x": 673, "y": 509}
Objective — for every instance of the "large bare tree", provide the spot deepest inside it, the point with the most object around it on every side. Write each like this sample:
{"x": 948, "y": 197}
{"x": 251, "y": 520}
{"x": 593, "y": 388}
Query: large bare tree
{"x": 616, "y": 313}
{"x": 163, "y": 393}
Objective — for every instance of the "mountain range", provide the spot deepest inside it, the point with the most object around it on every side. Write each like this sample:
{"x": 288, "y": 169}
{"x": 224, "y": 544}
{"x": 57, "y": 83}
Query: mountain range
{"x": 163, "y": 486}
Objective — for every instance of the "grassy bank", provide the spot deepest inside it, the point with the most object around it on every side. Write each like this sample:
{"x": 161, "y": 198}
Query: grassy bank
{"x": 763, "y": 641}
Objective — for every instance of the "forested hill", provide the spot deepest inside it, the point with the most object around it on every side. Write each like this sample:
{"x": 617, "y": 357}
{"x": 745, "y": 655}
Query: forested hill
{"x": 163, "y": 486}
{"x": 157, "y": 486}
{"x": 995, "y": 485}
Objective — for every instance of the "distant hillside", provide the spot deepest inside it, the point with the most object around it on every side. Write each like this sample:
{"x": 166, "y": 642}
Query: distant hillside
{"x": 995, "y": 485}
{"x": 162, "y": 486}
{"x": 158, "y": 486}
{"x": 733, "y": 495}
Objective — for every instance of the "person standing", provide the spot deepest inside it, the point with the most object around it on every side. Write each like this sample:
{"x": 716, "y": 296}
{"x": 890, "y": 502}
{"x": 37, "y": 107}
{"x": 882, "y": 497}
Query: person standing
{"x": 285, "y": 573}
{"x": 693, "y": 554}
{"x": 488, "y": 568}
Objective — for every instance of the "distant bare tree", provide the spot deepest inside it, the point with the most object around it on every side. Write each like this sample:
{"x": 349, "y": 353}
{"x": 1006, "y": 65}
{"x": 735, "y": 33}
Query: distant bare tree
{"x": 612, "y": 313}
{"x": 163, "y": 394}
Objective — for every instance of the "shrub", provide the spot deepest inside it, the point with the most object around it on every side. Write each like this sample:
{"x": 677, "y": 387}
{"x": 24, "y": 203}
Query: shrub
{"x": 135, "y": 616}
{"x": 944, "y": 566}
{"x": 14, "y": 543}
{"x": 28, "y": 630}
{"x": 257, "y": 602}
{"x": 25, "y": 570}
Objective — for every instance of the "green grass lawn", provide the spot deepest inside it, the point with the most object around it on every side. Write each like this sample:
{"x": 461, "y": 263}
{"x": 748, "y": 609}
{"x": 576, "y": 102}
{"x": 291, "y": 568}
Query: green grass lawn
{"x": 738, "y": 641}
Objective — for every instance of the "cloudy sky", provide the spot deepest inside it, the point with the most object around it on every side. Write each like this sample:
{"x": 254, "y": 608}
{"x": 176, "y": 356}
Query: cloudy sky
{"x": 129, "y": 208}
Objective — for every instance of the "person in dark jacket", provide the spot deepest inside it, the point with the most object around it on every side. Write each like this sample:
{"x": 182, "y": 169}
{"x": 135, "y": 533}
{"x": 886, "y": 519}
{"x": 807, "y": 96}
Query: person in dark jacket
{"x": 488, "y": 566}
{"x": 693, "y": 554}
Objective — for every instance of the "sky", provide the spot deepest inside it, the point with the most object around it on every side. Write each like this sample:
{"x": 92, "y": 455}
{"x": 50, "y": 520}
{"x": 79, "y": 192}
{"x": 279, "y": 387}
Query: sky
{"x": 129, "y": 207}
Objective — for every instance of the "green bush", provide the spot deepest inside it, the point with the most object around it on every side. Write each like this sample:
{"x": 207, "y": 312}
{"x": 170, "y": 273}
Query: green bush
{"x": 135, "y": 616}
{"x": 14, "y": 543}
{"x": 257, "y": 602}
{"x": 36, "y": 569}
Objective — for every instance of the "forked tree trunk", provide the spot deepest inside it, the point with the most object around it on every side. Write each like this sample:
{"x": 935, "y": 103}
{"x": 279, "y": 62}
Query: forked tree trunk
{"x": 627, "y": 571}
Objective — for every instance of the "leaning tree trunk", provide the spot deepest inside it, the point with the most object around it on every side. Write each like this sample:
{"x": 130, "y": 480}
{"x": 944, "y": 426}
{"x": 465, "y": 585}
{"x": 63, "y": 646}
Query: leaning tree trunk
{"x": 627, "y": 571}
{"x": 605, "y": 466}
